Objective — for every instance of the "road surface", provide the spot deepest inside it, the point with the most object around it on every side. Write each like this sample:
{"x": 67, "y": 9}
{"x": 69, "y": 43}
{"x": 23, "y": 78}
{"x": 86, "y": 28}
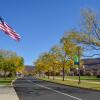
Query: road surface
{"x": 29, "y": 88}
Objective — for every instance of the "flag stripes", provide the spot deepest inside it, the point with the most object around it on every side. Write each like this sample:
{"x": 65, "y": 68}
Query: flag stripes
{"x": 8, "y": 30}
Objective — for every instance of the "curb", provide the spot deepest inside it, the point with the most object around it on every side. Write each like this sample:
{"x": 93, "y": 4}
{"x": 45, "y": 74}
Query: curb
{"x": 13, "y": 81}
{"x": 13, "y": 87}
{"x": 71, "y": 85}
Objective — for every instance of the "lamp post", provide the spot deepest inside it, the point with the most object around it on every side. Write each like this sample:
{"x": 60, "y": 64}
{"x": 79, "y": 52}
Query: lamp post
{"x": 79, "y": 81}
{"x": 77, "y": 62}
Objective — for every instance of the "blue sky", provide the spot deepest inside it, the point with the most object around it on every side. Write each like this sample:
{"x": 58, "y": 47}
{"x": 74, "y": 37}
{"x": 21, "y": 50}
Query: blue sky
{"x": 41, "y": 23}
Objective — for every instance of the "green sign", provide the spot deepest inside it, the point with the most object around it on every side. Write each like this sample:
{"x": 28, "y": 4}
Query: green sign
{"x": 76, "y": 60}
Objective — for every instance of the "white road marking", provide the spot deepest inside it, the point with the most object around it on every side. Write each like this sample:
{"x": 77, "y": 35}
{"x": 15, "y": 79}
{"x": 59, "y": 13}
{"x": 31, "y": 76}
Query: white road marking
{"x": 56, "y": 91}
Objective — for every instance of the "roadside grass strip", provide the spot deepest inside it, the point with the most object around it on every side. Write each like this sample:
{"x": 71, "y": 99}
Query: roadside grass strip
{"x": 6, "y": 82}
{"x": 71, "y": 82}
{"x": 94, "y": 82}
{"x": 83, "y": 78}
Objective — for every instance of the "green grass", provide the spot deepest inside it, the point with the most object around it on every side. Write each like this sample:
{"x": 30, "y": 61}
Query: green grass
{"x": 83, "y": 84}
{"x": 86, "y": 78}
{"x": 6, "y": 81}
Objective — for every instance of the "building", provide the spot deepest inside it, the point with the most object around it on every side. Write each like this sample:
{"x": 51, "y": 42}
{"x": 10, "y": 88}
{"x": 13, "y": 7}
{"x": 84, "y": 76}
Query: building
{"x": 92, "y": 66}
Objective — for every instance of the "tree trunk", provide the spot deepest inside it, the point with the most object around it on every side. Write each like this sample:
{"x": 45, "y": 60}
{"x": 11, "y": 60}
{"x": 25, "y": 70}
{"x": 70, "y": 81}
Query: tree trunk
{"x": 39, "y": 74}
{"x": 53, "y": 73}
{"x": 13, "y": 74}
{"x": 5, "y": 75}
{"x": 48, "y": 74}
{"x": 63, "y": 70}
{"x": 44, "y": 74}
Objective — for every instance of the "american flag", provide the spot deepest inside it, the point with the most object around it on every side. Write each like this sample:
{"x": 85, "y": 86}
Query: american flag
{"x": 8, "y": 30}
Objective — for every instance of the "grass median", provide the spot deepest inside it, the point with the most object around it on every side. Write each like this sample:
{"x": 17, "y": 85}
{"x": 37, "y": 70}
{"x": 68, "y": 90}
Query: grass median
{"x": 94, "y": 85}
{"x": 6, "y": 81}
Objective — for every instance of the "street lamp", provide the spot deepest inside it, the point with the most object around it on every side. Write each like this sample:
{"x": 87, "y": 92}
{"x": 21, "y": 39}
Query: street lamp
{"x": 79, "y": 80}
{"x": 77, "y": 62}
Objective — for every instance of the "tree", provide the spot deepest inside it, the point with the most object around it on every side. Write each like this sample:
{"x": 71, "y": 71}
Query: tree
{"x": 89, "y": 36}
{"x": 40, "y": 65}
{"x": 47, "y": 59}
{"x": 91, "y": 24}
{"x": 10, "y": 62}
{"x": 90, "y": 30}
{"x": 69, "y": 47}
{"x": 20, "y": 66}
{"x": 60, "y": 59}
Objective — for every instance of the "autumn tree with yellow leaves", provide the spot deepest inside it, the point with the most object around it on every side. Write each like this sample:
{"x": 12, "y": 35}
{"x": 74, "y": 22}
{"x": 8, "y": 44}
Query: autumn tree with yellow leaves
{"x": 10, "y": 63}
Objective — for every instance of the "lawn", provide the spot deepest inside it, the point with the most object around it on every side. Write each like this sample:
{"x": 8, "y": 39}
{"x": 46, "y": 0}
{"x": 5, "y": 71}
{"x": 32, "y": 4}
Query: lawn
{"x": 6, "y": 81}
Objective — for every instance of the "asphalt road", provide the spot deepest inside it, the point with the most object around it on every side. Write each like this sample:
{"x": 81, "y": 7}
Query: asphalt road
{"x": 29, "y": 88}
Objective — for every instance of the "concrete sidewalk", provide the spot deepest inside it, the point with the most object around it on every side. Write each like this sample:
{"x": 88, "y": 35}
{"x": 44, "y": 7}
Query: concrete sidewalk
{"x": 8, "y": 93}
